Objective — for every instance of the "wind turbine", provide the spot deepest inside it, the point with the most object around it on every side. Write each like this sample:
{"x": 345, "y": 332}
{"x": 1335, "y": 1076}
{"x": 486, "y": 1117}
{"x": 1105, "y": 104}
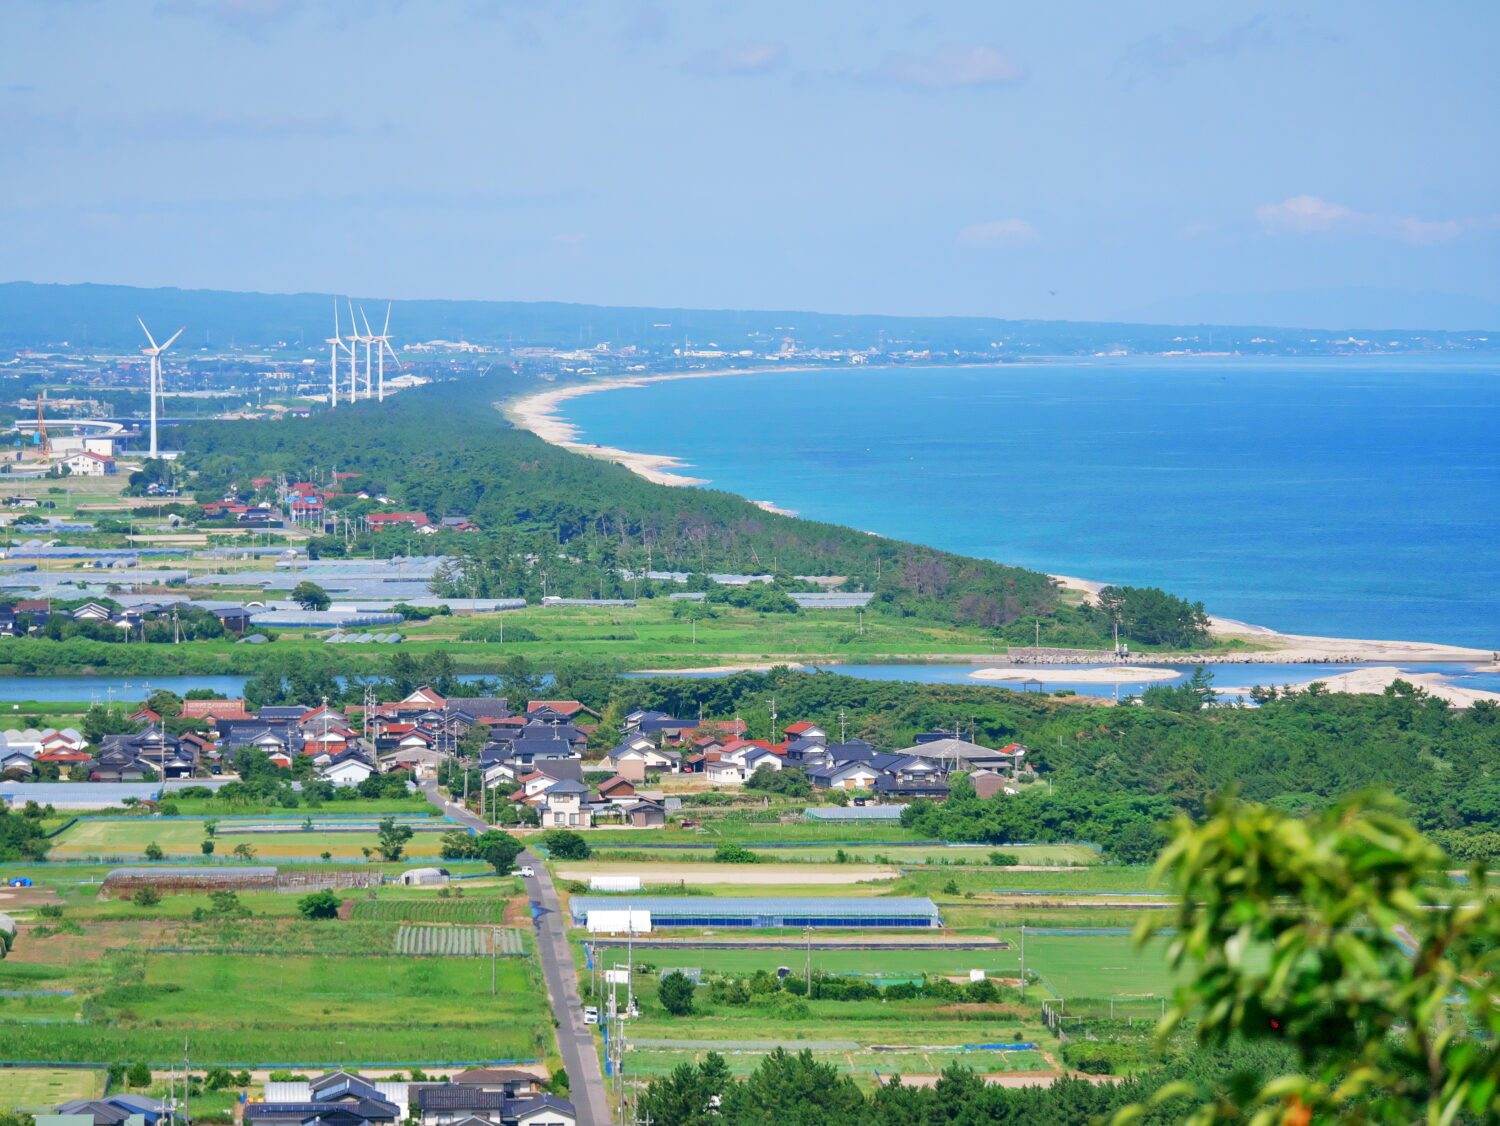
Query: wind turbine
{"x": 353, "y": 338}
{"x": 333, "y": 343}
{"x": 154, "y": 352}
{"x": 367, "y": 339}
{"x": 385, "y": 346}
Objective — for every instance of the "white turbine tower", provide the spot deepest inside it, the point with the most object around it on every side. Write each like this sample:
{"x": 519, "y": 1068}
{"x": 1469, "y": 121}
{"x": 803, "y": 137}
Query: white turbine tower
{"x": 367, "y": 339}
{"x": 333, "y": 343}
{"x": 353, "y": 338}
{"x": 154, "y": 352}
{"x": 385, "y": 346}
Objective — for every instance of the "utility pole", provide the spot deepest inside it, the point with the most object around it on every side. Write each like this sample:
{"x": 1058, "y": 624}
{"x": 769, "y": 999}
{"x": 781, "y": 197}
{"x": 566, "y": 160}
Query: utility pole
{"x": 1023, "y": 962}
{"x": 807, "y": 934}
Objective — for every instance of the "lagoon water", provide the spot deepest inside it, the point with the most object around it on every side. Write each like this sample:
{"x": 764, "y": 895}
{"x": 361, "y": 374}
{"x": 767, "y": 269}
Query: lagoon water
{"x": 1348, "y": 497}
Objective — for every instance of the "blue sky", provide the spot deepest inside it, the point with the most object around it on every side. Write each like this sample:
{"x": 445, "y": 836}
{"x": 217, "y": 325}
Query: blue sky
{"x": 1081, "y": 159}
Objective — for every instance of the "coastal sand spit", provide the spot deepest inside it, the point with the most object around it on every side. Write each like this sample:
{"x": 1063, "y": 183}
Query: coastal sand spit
{"x": 1114, "y": 674}
{"x": 1376, "y": 680}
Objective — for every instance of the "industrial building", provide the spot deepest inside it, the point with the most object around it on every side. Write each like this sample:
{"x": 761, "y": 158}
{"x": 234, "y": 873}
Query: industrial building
{"x": 774, "y": 911}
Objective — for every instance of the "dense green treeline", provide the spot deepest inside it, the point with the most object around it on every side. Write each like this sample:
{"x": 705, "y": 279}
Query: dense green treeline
{"x": 788, "y": 1089}
{"x": 556, "y": 522}
{"x": 1115, "y": 773}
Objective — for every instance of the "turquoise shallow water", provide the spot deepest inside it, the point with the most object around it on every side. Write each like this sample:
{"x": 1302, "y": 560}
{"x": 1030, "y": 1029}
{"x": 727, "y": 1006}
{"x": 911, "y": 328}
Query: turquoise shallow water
{"x": 1346, "y": 497}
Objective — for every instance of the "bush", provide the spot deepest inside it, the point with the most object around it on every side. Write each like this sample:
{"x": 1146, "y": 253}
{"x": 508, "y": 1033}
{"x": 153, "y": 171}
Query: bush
{"x": 731, "y": 853}
{"x": 565, "y": 844}
{"x": 154, "y": 852}
{"x": 146, "y": 897}
{"x": 676, "y": 993}
{"x": 1004, "y": 859}
{"x": 319, "y": 905}
{"x": 207, "y": 846}
{"x": 168, "y": 809}
{"x": 139, "y": 1074}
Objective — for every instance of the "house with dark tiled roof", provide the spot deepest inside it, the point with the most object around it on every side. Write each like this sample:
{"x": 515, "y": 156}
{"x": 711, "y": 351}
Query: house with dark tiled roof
{"x": 564, "y": 805}
{"x": 454, "y": 1104}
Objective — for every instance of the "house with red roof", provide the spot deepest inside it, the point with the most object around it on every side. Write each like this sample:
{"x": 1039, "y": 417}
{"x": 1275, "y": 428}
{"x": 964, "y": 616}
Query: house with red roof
{"x": 89, "y": 464}
{"x": 805, "y": 730}
{"x": 214, "y": 710}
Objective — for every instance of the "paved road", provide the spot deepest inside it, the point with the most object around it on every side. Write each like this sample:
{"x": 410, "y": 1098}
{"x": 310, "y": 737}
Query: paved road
{"x": 574, "y": 1040}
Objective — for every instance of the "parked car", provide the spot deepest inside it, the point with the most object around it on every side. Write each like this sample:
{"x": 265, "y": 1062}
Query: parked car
{"x": 590, "y": 1015}
{"x": 527, "y": 871}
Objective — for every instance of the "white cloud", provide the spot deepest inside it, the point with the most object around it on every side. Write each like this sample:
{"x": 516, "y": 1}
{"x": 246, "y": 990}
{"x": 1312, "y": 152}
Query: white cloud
{"x": 1309, "y": 215}
{"x": 1304, "y": 215}
{"x": 950, "y": 67}
{"x": 741, "y": 58}
{"x": 999, "y": 232}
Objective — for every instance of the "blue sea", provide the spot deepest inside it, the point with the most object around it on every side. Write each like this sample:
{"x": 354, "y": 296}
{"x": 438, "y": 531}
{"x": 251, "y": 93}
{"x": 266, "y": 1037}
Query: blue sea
{"x": 1349, "y": 497}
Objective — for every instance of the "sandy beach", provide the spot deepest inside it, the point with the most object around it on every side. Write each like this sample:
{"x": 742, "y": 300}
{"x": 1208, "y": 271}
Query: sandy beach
{"x": 1376, "y": 680}
{"x": 1293, "y": 648}
{"x": 539, "y": 413}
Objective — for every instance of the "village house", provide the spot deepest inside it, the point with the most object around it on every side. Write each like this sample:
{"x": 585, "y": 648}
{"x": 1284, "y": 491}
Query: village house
{"x": 565, "y": 805}
{"x": 90, "y": 464}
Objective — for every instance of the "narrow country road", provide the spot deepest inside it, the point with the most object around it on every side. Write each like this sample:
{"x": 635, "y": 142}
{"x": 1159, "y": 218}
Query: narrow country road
{"x": 574, "y": 1040}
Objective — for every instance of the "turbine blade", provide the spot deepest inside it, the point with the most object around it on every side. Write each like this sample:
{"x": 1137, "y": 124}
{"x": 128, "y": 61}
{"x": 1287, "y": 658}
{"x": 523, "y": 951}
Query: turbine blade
{"x": 387, "y": 327}
{"x": 175, "y": 335}
{"x": 146, "y": 330}
{"x": 353, "y": 324}
{"x": 392, "y": 351}
{"x": 366, "y": 320}
{"x": 335, "y": 316}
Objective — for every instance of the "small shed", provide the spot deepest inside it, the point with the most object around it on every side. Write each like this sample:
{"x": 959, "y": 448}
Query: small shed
{"x": 424, "y": 876}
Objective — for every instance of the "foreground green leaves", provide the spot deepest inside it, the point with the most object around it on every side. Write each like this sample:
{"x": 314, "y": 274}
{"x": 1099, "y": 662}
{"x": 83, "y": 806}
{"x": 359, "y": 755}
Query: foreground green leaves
{"x": 1379, "y": 976}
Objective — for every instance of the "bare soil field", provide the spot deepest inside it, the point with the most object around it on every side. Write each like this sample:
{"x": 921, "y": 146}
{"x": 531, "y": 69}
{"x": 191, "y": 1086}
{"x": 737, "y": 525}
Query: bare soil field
{"x": 746, "y": 874}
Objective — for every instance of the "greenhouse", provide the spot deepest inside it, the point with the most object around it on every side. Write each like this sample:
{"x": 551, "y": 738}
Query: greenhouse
{"x": 774, "y": 911}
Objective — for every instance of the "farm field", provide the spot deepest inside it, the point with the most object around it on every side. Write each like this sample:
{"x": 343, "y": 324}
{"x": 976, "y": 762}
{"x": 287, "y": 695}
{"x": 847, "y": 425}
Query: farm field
{"x": 307, "y": 1011}
{"x": 861, "y": 1037}
{"x": 42, "y": 1088}
{"x": 129, "y": 838}
{"x": 856, "y": 1060}
{"x": 874, "y": 964}
{"x": 459, "y": 942}
{"x": 1087, "y": 884}
{"x": 470, "y": 909}
{"x": 979, "y": 855}
{"x": 749, "y": 832}
{"x": 1097, "y": 966}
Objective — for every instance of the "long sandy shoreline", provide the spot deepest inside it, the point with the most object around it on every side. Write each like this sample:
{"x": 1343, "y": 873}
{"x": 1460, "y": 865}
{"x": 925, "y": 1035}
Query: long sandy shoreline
{"x": 539, "y": 412}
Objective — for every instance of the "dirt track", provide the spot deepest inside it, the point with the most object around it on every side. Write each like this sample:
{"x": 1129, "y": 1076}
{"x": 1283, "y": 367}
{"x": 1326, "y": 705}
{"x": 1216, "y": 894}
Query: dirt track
{"x": 746, "y": 874}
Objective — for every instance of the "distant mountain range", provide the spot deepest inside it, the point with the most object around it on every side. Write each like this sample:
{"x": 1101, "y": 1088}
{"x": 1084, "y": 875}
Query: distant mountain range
{"x": 103, "y": 316}
{"x": 1343, "y": 309}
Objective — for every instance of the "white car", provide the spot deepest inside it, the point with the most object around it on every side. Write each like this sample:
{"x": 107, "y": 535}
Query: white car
{"x": 527, "y": 871}
{"x": 590, "y": 1015}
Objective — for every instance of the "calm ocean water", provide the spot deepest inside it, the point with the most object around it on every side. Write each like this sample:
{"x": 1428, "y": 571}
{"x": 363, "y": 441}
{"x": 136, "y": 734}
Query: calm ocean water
{"x": 1347, "y": 497}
